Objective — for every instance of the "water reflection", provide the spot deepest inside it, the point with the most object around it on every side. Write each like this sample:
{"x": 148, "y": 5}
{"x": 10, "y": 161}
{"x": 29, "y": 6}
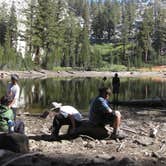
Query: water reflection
{"x": 38, "y": 94}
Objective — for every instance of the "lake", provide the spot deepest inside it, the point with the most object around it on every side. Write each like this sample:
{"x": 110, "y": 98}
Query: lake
{"x": 37, "y": 94}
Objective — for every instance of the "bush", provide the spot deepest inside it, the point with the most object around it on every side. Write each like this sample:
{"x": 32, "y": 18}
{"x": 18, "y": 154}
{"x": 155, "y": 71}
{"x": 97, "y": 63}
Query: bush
{"x": 114, "y": 68}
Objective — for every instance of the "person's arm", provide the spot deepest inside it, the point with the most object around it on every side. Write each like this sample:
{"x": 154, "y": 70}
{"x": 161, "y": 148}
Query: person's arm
{"x": 105, "y": 106}
{"x": 16, "y": 97}
{"x": 71, "y": 117}
{"x": 13, "y": 101}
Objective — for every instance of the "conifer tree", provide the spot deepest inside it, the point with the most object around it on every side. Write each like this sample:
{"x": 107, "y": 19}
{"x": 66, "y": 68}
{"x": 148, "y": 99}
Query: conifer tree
{"x": 12, "y": 25}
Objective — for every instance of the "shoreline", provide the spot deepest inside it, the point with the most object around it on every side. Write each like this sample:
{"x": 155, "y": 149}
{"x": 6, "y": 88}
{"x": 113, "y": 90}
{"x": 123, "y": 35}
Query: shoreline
{"x": 51, "y": 74}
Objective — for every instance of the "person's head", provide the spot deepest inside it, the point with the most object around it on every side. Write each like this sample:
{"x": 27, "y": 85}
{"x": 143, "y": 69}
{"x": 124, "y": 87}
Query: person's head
{"x": 6, "y": 100}
{"x": 105, "y": 92}
{"x": 57, "y": 106}
{"x": 14, "y": 78}
{"x": 104, "y": 78}
{"x": 116, "y": 74}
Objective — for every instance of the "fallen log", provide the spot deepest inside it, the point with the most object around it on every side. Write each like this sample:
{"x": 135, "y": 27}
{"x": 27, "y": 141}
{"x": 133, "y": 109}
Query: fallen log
{"x": 157, "y": 102}
{"x": 90, "y": 130}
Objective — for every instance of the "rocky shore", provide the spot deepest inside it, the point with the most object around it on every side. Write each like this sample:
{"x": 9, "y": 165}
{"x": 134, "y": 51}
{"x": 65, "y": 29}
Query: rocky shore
{"x": 139, "y": 148}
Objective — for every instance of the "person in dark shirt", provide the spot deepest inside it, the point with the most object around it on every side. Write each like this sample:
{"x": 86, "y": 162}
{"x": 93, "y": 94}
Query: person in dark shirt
{"x": 101, "y": 114}
{"x": 116, "y": 86}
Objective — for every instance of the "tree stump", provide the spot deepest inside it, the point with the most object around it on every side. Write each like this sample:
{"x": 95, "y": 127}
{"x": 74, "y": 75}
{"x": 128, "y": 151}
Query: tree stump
{"x": 14, "y": 142}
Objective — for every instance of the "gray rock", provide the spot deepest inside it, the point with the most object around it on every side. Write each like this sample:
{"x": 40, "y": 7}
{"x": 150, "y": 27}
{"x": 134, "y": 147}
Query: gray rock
{"x": 127, "y": 162}
{"x": 144, "y": 141}
{"x": 14, "y": 142}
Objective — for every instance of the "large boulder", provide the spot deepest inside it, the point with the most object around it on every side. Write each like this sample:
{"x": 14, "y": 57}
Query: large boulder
{"x": 14, "y": 142}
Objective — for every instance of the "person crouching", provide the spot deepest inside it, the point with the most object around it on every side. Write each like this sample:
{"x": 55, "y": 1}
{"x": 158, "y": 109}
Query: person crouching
{"x": 66, "y": 115}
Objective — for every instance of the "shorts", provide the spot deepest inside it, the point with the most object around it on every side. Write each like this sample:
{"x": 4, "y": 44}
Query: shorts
{"x": 109, "y": 119}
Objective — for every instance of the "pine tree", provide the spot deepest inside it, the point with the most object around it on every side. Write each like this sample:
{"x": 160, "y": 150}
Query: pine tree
{"x": 159, "y": 36}
{"x": 85, "y": 45}
{"x": 144, "y": 35}
{"x": 12, "y": 24}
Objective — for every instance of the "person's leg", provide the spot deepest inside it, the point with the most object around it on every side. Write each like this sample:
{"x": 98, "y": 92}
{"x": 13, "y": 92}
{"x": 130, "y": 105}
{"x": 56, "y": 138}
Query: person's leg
{"x": 59, "y": 120}
{"x": 116, "y": 121}
{"x": 77, "y": 124}
{"x": 19, "y": 127}
{"x": 14, "y": 112}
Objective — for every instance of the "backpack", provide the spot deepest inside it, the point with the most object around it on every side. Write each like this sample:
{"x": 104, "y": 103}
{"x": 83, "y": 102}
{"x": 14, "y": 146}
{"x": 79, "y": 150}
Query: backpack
{"x": 5, "y": 115}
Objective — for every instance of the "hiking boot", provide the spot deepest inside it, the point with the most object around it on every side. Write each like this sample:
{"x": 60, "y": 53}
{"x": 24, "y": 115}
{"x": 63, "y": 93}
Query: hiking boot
{"x": 118, "y": 135}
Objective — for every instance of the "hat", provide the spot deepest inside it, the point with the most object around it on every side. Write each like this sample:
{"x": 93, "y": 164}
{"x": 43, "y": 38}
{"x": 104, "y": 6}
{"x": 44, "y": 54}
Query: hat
{"x": 57, "y": 105}
{"x": 15, "y": 77}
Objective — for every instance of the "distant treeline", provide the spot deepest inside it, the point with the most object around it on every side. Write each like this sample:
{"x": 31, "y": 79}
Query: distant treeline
{"x": 83, "y": 34}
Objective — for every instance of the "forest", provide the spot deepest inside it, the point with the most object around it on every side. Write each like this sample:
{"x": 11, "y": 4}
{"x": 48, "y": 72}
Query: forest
{"x": 83, "y": 35}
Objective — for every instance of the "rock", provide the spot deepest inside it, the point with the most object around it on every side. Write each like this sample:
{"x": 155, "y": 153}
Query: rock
{"x": 155, "y": 154}
{"x": 90, "y": 145}
{"x": 104, "y": 142}
{"x": 144, "y": 141}
{"x": 105, "y": 156}
{"x": 14, "y": 142}
{"x": 153, "y": 132}
{"x": 78, "y": 140}
{"x": 45, "y": 114}
{"x": 127, "y": 162}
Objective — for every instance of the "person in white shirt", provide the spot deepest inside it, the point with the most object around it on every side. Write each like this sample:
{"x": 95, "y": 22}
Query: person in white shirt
{"x": 67, "y": 115}
{"x": 13, "y": 90}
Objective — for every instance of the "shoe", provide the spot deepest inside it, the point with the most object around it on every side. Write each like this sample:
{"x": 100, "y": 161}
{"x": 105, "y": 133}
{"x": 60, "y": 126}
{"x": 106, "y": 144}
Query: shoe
{"x": 118, "y": 135}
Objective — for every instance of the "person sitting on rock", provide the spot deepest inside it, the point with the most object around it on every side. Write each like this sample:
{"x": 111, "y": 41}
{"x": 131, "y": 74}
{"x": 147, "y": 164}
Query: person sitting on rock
{"x": 7, "y": 117}
{"x": 101, "y": 114}
{"x": 66, "y": 115}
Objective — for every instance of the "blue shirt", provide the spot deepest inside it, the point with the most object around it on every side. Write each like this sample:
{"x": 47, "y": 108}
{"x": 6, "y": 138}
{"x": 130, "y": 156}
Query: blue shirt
{"x": 98, "y": 110}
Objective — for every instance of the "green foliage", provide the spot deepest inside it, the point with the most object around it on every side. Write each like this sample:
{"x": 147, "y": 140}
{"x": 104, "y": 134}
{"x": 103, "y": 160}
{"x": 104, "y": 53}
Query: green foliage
{"x": 58, "y": 34}
{"x": 113, "y": 68}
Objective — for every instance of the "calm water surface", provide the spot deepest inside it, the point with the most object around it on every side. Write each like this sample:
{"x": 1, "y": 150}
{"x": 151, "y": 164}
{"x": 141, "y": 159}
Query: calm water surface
{"x": 37, "y": 95}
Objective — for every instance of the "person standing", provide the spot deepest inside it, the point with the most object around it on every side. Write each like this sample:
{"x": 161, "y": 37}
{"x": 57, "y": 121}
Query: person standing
{"x": 13, "y": 90}
{"x": 116, "y": 86}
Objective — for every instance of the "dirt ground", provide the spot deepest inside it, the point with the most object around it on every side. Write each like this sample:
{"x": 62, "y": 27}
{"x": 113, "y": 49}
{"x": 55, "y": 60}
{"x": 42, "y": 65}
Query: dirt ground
{"x": 137, "y": 149}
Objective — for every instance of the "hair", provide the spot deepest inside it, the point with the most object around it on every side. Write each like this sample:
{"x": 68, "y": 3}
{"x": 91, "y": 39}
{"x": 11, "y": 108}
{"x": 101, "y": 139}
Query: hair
{"x": 6, "y": 100}
{"x": 15, "y": 77}
{"x": 104, "y": 78}
{"x": 116, "y": 74}
{"x": 104, "y": 91}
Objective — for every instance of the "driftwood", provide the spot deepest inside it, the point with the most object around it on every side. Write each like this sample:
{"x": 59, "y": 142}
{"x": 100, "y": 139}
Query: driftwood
{"x": 120, "y": 147}
{"x": 130, "y": 130}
